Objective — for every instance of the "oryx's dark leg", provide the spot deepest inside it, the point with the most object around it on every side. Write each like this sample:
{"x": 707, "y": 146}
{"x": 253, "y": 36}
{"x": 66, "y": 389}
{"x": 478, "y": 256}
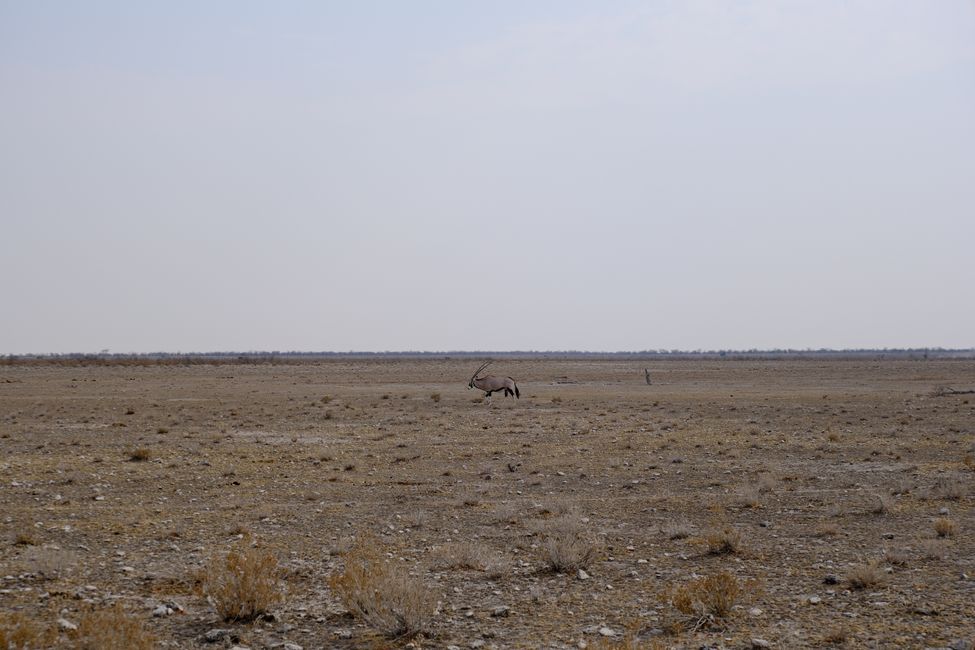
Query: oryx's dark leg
{"x": 488, "y": 393}
{"x": 507, "y": 392}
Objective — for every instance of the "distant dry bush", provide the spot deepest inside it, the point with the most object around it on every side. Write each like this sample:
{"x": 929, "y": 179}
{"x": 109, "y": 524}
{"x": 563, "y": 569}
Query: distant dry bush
{"x": 678, "y": 529}
{"x": 51, "y": 563}
{"x": 567, "y": 544}
{"x": 243, "y": 584}
{"x": 435, "y": 397}
{"x": 882, "y": 504}
{"x": 139, "y": 455}
{"x": 111, "y": 629}
{"x": 383, "y": 594}
{"x": 702, "y": 602}
{"x": 951, "y": 488}
{"x": 945, "y": 527}
{"x": 864, "y": 576}
{"x": 472, "y": 556}
{"x": 723, "y": 541}
{"x": 747, "y": 496}
{"x": 21, "y": 632}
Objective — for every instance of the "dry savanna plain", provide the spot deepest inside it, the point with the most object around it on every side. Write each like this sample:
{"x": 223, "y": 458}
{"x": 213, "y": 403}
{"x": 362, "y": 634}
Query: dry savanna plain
{"x": 379, "y": 502}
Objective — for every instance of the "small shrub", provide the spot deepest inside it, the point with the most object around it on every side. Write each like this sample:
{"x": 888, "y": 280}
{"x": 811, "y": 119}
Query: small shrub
{"x": 897, "y": 557}
{"x": 25, "y": 538}
{"x": 827, "y": 529}
{"x": 726, "y": 541}
{"x": 838, "y": 635}
{"x": 51, "y": 563}
{"x": 244, "y": 584}
{"x": 326, "y": 399}
{"x": 748, "y": 497}
{"x": 111, "y": 629}
{"x": 945, "y": 527}
{"x": 680, "y": 529}
{"x": 435, "y": 397}
{"x": 382, "y": 594}
{"x": 20, "y": 632}
{"x": 866, "y": 575}
{"x": 139, "y": 455}
{"x": 703, "y": 601}
{"x": 473, "y": 556}
{"x": 951, "y": 488}
{"x": 882, "y": 505}
{"x": 567, "y": 544}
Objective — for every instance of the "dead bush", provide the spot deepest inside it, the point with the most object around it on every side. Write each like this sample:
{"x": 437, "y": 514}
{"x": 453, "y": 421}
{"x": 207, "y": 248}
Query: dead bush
{"x": 382, "y": 594}
{"x": 726, "y": 541}
{"x": 465, "y": 555}
{"x": 21, "y": 632}
{"x": 679, "y": 529}
{"x": 25, "y": 538}
{"x": 140, "y": 455}
{"x": 702, "y": 602}
{"x": 111, "y": 629}
{"x": 567, "y": 545}
{"x": 864, "y": 576}
{"x": 882, "y": 505}
{"x": 945, "y": 527}
{"x": 51, "y": 562}
{"x": 243, "y": 584}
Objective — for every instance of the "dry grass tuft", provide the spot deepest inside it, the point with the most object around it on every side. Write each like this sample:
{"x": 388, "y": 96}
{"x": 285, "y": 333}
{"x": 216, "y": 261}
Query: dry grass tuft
{"x": 882, "y": 505}
{"x": 838, "y": 635}
{"x": 469, "y": 555}
{"x": 25, "y": 538}
{"x": 111, "y": 629}
{"x": 243, "y": 584}
{"x": 679, "y": 529}
{"x": 382, "y": 594}
{"x": 51, "y": 563}
{"x": 945, "y": 527}
{"x": 702, "y": 602}
{"x": 21, "y": 632}
{"x": 726, "y": 541}
{"x": 435, "y": 397}
{"x": 140, "y": 455}
{"x": 567, "y": 544}
{"x": 866, "y": 575}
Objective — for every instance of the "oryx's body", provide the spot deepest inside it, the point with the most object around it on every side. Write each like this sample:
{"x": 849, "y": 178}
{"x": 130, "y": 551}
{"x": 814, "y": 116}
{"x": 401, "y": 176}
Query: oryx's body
{"x": 491, "y": 383}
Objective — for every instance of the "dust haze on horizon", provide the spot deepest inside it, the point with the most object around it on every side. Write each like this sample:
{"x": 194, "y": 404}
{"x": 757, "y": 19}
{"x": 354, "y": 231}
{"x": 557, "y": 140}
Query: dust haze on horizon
{"x": 486, "y": 176}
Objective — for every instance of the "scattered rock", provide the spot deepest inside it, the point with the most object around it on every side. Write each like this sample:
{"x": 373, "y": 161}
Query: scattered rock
{"x": 755, "y": 611}
{"x": 162, "y": 610}
{"x": 214, "y": 635}
{"x": 582, "y": 575}
{"x": 760, "y": 643}
{"x": 606, "y": 631}
{"x": 962, "y": 644}
{"x": 501, "y": 611}
{"x": 66, "y": 625}
{"x": 815, "y": 600}
{"x": 478, "y": 643}
{"x": 343, "y": 634}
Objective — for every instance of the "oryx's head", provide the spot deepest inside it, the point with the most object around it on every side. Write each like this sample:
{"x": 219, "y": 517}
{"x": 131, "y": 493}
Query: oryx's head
{"x": 484, "y": 365}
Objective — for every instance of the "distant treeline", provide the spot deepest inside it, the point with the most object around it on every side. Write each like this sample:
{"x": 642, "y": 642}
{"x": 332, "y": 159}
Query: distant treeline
{"x": 294, "y": 357}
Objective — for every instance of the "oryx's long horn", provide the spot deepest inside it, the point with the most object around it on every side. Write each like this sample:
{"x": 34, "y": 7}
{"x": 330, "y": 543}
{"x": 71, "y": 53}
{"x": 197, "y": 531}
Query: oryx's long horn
{"x": 482, "y": 367}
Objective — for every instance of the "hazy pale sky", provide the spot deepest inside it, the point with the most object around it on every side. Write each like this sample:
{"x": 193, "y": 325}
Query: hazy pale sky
{"x": 196, "y": 176}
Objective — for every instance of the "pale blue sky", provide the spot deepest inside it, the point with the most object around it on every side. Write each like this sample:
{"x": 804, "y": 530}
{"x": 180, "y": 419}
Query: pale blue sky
{"x": 186, "y": 176}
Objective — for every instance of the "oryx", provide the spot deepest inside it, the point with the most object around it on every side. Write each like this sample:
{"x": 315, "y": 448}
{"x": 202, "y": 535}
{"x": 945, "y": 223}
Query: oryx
{"x": 491, "y": 384}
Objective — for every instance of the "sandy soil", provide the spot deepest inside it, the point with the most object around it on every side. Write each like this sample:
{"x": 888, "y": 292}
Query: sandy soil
{"x": 819, "y": 466}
